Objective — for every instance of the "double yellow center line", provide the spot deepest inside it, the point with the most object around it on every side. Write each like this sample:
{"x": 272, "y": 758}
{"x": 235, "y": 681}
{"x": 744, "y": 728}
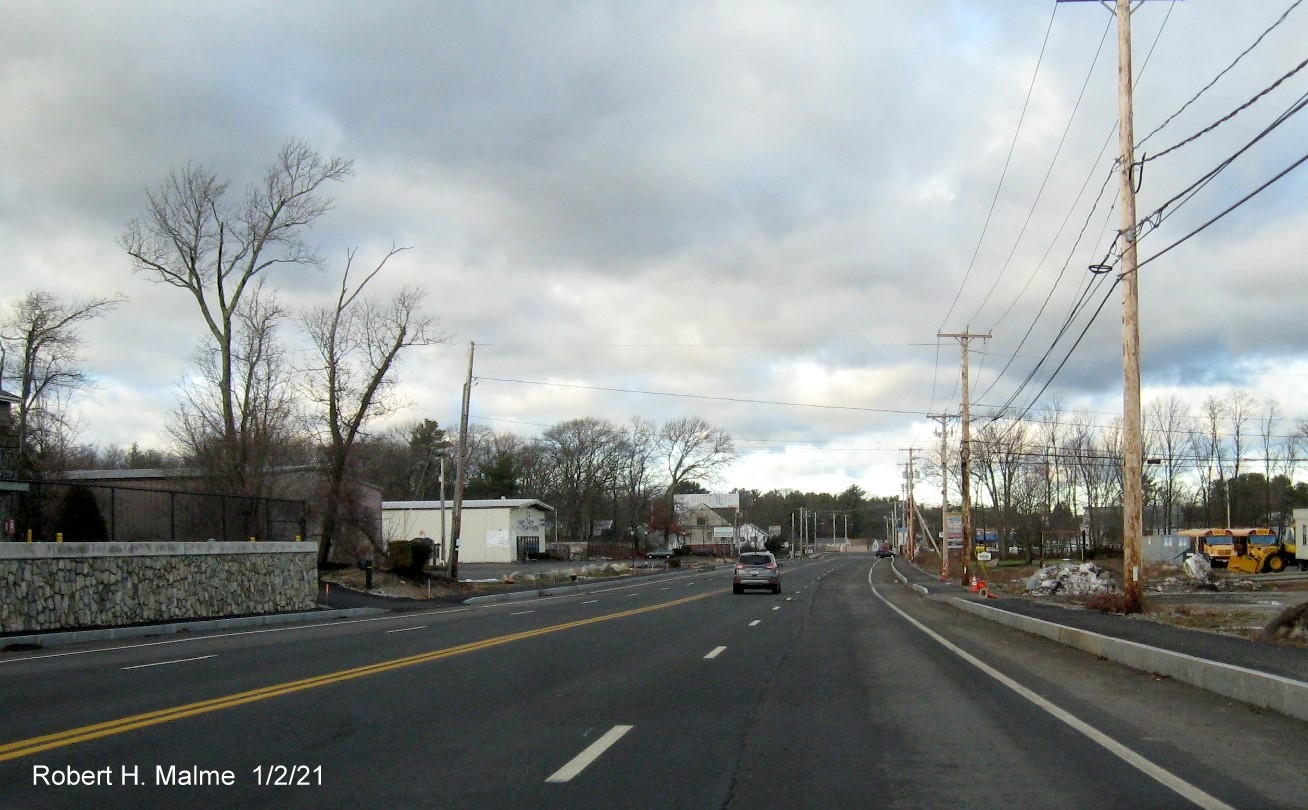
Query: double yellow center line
{"x": 36, "y": 745}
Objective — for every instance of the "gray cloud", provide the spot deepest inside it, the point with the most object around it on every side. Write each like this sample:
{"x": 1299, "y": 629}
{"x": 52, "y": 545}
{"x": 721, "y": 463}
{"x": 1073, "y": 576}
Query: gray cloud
{"x": 759, "y": 201}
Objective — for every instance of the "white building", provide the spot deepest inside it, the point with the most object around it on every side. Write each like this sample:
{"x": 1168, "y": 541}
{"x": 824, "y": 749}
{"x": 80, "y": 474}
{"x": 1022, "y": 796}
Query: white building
{"x": 504, "y": 530}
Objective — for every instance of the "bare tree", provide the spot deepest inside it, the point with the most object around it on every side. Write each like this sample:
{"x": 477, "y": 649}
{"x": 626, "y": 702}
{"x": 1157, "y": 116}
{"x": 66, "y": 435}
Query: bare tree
{"x": 999, "y": 451}
{"x": 1052, "y": 431}
{"x": 1268, "y": 421}
{"x": 261, "y": 396}
{"x": 1209, "y": 449}
{"x": 1166, "y": 424}
{"x": 358, "y": 341}
{"x": 581, "y": 461}
{"x": 1240, "y": 405}
{"x": 40, "y": 356}
{"x": 635, "y": 474}
{"x": 193, "y": 238}
{"x": 691, "y": 450}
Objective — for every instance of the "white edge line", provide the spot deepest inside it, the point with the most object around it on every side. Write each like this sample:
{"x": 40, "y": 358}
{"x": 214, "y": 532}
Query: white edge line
{"x": 715, "y": 652}
{"x": 592, "y": 753}
{"x": 1145, "y": 766}
{"x": 165, "y": 663}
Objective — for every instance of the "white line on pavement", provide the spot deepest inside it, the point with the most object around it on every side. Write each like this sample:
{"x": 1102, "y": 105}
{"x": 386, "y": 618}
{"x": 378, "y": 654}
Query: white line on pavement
{"x": 715, "y": 652}
{"x": 522, "y": 613}
{"x": 164, "y": 663}
{"x": 405, "y": 629}
{"x": 592, "y": 753}
{"x": 756, "y": 621}
{"x": 590, "y": 601}
{"x": 1145, "y": 766}
{"x": 778, "y": 607}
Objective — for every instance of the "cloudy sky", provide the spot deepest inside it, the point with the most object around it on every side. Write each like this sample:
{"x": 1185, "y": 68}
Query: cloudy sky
{"x": 757, "y": 212}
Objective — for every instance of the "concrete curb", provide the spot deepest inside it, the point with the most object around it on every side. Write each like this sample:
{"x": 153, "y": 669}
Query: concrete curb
{"x": 570, "y": 588}
{"x": 65, "y": 638}
{"x": 903, "y": 580}
{"x": 1274, "y": 692}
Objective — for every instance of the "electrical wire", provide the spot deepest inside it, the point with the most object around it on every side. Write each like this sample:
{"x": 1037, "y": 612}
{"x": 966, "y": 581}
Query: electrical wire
{"x": 1044, "y": 183}
{"x": 1218, "y": 77}
{"x": 701, "y": 396}
{"x": 1004, "y": 173}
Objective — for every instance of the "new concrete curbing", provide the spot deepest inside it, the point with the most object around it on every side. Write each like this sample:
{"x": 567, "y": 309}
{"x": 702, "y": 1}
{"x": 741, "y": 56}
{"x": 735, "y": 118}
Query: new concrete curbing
{"x": 1287, "y": 696}
{"x": 1284, "y": 695}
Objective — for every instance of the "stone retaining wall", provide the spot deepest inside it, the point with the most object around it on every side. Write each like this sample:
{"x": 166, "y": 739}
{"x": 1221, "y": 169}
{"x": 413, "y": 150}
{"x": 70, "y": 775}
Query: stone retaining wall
{"x": 54, "y": 586}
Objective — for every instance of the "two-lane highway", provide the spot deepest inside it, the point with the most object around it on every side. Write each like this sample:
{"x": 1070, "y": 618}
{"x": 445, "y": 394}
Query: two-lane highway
{"x": 844, "y": 690}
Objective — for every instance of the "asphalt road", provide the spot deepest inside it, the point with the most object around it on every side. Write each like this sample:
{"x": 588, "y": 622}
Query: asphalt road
{"x": 846, "y": 690}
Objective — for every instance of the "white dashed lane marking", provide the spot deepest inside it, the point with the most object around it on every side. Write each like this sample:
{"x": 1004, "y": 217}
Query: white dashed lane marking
{"x": 715, "y": 652}
{"x": 592, "y": 753}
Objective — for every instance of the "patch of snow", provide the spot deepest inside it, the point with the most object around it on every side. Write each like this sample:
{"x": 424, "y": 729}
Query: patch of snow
{"x": 1073, "y": 579}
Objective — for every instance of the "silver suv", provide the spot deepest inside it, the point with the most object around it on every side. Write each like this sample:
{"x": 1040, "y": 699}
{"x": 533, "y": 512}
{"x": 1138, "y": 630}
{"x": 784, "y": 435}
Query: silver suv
{"x": 756, "y": 569}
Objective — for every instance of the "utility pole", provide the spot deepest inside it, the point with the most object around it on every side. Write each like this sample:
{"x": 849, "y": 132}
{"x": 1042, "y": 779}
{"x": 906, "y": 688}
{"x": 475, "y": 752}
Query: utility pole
{"x": 461, "y": 470}
{"x": 943, "y": 419}
{"x": 445, "y": 540}
{"x": 1132, "y": 447}
{"x": 965, "y": 457}
{"x": 912, "y": 520}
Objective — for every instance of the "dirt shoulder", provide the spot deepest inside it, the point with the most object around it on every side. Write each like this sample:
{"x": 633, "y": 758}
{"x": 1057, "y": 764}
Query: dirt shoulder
{"x": 1236, "y": 605}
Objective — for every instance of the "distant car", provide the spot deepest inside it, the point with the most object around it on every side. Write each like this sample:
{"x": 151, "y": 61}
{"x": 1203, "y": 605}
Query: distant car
{"x": 756, "y": 569}
{"x": 660, "y": 554}
{"x": 884, "y": 551}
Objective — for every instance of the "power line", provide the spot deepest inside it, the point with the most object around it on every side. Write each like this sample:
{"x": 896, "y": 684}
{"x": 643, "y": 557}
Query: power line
{"x": 702, "y": 396}
{"x": 1049, "y": 170}
{"x": 1004, "y": 173}
{"x": 1217, "y": 78}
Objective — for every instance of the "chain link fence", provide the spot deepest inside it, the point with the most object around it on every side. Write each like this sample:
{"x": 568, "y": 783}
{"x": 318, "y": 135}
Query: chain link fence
{"x": 46, "y": 511}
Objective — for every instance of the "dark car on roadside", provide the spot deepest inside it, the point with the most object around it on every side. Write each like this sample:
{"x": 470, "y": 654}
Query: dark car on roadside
{"x": 660, "y": 554}
{"x": 756, "y": 569}
{"x": 884, "y": 551}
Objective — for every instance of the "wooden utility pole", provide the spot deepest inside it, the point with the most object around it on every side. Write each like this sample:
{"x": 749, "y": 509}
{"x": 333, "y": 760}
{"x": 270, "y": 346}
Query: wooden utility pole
{"x": 965, "y": 457}
{"x": 461, "y": 470}
{"x": 445, "y": 539}
{"x": 912, "y": 510}
{"x": 943, "y": 419}
{"x": 1132, "y": 447}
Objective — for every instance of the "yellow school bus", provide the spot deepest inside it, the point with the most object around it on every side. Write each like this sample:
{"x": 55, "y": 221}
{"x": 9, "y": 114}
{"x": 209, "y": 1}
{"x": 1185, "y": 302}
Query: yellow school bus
{"x": 1220, "y": 545}
{"x": 1215, "y": 544}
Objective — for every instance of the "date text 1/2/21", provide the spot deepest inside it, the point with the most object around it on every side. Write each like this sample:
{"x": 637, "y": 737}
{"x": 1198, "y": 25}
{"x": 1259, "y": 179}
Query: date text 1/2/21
{"x": 288, "y": 775}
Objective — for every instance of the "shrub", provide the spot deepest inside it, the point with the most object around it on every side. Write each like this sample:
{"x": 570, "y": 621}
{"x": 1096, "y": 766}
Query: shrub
{"x": 409, "y": 556}
{"x": 1107, "y": 602}
{"x": 80, "y": 519}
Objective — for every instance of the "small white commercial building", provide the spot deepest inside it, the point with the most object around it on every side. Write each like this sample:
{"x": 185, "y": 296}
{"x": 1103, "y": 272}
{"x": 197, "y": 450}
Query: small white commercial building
{"x": 504, "y": 530}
